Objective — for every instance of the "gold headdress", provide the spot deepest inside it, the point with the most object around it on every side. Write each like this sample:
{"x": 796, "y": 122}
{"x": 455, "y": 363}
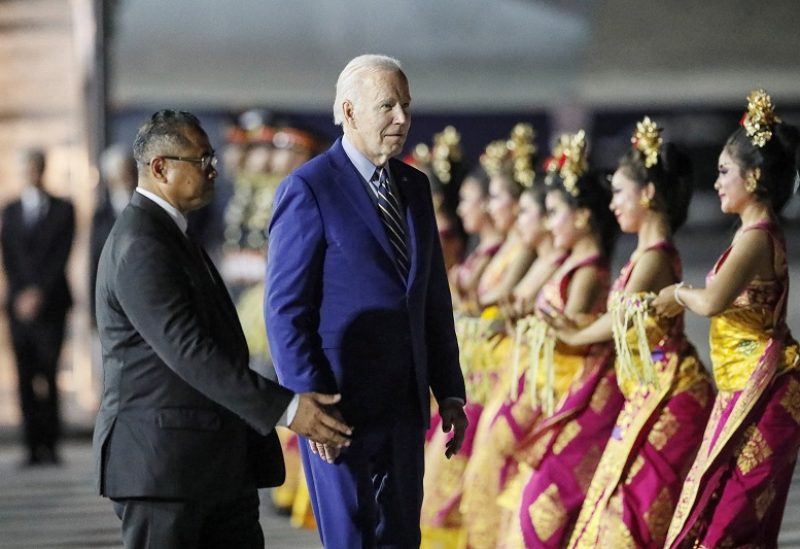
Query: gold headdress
{"x": 446, "y": 152}
{"x": 421, "y": 155}
{"x": 759, "y": 118}
{"x": 493, "y": 157}
{"x": 516, "y": 155}
{"x": 647, "y": 140}
{"x": 553, "y": 163}
{"x": 523, "y": 151}
{"x": 568, "y": 161}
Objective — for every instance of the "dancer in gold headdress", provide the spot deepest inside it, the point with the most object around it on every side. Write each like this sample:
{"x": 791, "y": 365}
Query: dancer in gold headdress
{"x": 667, "y": 391}
{"x": 736, "y": 490}
{"x": 530, "y": 393}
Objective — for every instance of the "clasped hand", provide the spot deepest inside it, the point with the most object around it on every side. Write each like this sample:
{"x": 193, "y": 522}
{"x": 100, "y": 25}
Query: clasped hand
{"x": 453, "y": 419}
{"x": 665, "y": 304}
{"x": 321, "y": 423}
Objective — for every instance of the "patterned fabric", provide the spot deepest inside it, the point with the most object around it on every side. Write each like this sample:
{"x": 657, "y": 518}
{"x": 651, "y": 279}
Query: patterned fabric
{"x": 574, "y": 439}
{"x": 735, "y": 492}
{"x": 493, "y": 273}
{"x": 467, "y": 268}
{"x": 441, "y": 517}
{"x": 559, "y": 455}
{"x": 637, "y": 483}
{"x": 392, "y": 217}
{"x": 483, "y": 358}
{"x": 501, "y": 432}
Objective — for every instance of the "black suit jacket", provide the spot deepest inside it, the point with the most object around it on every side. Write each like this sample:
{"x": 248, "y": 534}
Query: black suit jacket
{"x": 182, "y": 415}
{"x": 103, "y": 220}
{"x": 37, "y": 255}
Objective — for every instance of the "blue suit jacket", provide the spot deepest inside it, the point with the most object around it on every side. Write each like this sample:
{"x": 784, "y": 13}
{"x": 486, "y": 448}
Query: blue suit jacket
{"x": 340, "y": 317}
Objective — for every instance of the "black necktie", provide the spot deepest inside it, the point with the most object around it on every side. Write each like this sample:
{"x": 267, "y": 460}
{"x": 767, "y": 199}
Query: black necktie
{"x": 390, "y": 212}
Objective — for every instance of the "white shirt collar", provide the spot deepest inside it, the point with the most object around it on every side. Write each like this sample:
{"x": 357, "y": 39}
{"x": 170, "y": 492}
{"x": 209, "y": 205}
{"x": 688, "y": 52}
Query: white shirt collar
{"x": 174, "y": 213}
{"x": 363, "y": 165}
{"x": 32, "y": 197}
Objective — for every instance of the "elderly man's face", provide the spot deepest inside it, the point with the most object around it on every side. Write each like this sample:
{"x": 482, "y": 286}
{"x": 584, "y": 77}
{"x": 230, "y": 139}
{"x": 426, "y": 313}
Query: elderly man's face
{"x": 379, "y": 121}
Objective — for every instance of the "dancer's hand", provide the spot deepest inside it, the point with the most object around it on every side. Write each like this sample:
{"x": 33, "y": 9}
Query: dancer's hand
{"x": 665, "y": 304}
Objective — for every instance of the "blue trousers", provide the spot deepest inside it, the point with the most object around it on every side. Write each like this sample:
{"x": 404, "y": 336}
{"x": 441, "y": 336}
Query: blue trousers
{"x": 372, "y": 495}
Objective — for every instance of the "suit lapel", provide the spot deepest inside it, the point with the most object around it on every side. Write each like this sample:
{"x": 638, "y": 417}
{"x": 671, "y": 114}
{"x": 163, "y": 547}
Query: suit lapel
{"x": 199, "y": 273}
{"x": 204, "y": 275}
{"x": 224, "y": 300}
{"x": 350, "y": 182}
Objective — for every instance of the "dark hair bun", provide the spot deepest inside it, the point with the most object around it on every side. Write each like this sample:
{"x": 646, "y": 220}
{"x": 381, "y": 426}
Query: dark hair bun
{"x": 675, "y": 184}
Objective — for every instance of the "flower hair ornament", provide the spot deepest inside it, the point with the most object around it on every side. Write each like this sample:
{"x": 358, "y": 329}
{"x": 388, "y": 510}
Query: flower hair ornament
{"x": 517, "y": 153}
{"x": 759, "y": 118}
{"x": 421, "y": 155}
{"x": 493, "y": 157}
{"x": 568, "y": 161}
{"x": 446, "y": 152}
{"x": 523, "y": 151}
{"x": 647, "y": 140}
{"x": 556, "y": 160}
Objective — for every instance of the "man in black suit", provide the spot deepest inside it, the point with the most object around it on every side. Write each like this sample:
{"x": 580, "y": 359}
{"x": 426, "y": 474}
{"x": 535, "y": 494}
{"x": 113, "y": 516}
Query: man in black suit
{"x": 185, "y": 431}
{"x": 36, "y": 238}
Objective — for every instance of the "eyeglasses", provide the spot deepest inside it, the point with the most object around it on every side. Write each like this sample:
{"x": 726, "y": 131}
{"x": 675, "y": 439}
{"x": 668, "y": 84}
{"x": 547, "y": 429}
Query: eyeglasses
{"x": 208, "y": 160}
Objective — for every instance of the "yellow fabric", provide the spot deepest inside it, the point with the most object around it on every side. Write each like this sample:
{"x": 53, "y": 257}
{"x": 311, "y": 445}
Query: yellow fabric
{"x": 250, "y": 308}
{"x": 484, "y": 353}
{"x": 738, "y": 339}
{"x": 443, "y": 538}
{"x": 636, "y": 334}
{"x": 302, "y": 512}
{"x": 548, "y": 366}
{"x": 502, "y": 260}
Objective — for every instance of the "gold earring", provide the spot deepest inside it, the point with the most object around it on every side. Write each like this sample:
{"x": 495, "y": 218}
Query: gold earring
{"x": 751, "y": 183}
{"x": 581, "y": 221}
{"x": 646, "y": 201}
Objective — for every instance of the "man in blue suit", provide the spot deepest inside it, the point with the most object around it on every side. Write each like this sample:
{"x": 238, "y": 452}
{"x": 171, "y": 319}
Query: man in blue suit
{"x": 357, "y": 303}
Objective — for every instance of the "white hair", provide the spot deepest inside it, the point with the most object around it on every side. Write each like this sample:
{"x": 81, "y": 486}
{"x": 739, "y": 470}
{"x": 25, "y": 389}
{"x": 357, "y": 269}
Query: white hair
{"x": 347, "y": 84}
{"x": 112, "y": 157}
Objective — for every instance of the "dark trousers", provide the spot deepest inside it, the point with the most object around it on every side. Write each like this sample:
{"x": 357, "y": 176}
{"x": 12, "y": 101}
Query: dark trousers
{"x": 37, "y": 346}
{"x": 372, "y": 495}
{"x": 182, "y": 524}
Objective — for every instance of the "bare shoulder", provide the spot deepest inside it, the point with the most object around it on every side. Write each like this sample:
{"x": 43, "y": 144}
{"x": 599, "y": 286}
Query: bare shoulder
{"x": 754, "y": 243}
{"x": 585, "y": 276}
{"x": 753, "y": 248}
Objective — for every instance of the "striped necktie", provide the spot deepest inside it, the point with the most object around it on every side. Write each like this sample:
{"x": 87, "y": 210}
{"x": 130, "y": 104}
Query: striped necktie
{"x": 390, "y": 213}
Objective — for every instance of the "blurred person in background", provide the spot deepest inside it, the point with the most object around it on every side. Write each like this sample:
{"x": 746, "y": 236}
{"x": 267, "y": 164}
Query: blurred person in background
{"x": 513, "y": 259}
{"x": 443, "y": 165}
{"x": 37, "y": 234}
{"x": 117, "y": 182}
{"x": 482, "y": 354}
{"x": 473, "y": 211}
